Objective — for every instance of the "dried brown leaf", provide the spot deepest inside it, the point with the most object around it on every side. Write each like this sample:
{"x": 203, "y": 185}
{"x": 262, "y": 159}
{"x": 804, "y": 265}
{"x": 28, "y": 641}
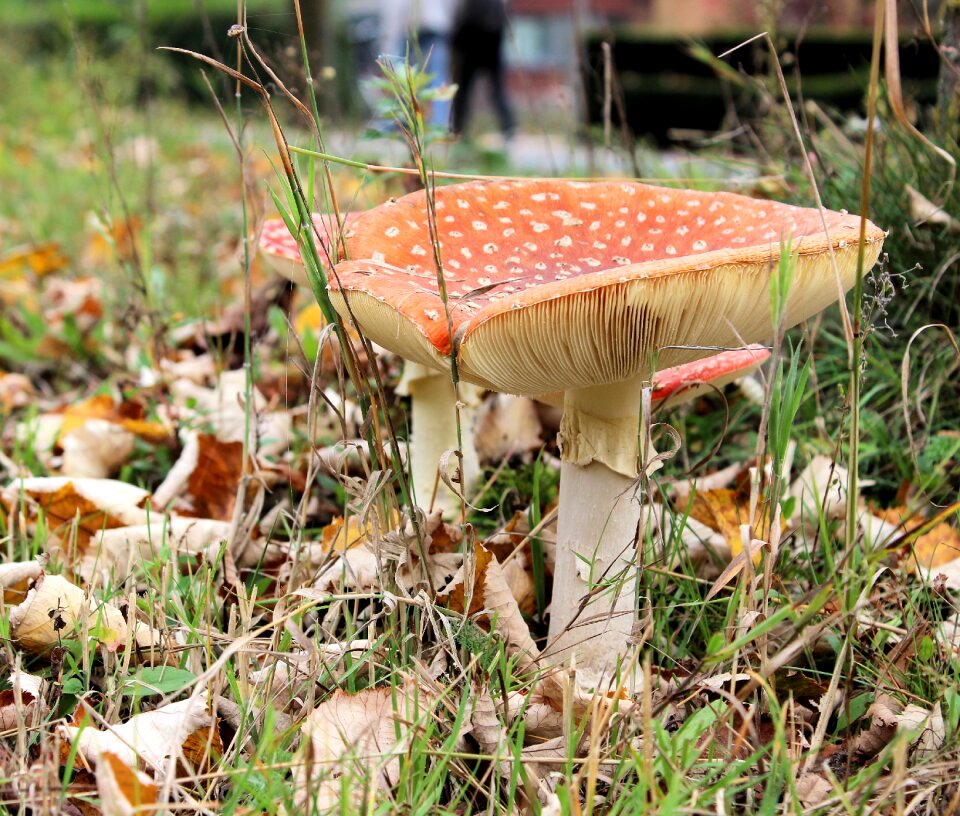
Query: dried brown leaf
{"x": 124, "y": 791}
{"x": 55, "y": 610}
{"x": 151, "y": 737}
{"x": 355, "y": 734}
{"x": 121, "y": 551}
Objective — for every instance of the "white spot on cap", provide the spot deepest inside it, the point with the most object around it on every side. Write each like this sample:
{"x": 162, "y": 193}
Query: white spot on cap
{"x": 641, "y": 217}
{"x": 489, "y": 248}
{"x": 416, "y": 249}
{"x": 699, "y": 245}
{"x": 479, "y": 226}
{"x": 683, "y": 229}
{"x": 565, "y": 241}
{"x": 539, "y": 227}
{"x": 647, "y": 248}
{"x": 671, "y": 250}
{"x": 392, "y": 232}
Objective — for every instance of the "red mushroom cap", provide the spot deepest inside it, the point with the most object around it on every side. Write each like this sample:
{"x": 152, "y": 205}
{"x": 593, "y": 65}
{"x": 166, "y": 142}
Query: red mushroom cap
{"x": 281, "y": 251}
{"x": 558, "y": 284}
{"x": 718, "y": 370}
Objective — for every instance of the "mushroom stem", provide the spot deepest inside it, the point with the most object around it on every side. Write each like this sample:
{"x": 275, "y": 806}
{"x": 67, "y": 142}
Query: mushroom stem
{"x": 433, "y": 418}
{"x": 594, "y": 584}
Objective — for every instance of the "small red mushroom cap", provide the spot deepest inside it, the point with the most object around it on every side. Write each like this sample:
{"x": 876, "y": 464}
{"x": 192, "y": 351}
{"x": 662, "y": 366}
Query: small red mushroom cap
{"x": 554, "y": 285}
{"x": 717, "y": 371}
{"x": 279, "y": 248}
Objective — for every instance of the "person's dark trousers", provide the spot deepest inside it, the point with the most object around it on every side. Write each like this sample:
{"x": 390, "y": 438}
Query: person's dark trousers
{"x": 479, "y": 51}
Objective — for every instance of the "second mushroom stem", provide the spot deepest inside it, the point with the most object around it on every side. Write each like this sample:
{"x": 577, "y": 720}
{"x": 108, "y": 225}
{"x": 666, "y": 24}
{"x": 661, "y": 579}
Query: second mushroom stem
{"x": 434, "y": 432}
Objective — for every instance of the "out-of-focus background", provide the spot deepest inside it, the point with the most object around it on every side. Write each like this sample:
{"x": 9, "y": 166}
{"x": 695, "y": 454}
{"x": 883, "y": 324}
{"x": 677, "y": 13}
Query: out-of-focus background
{"x": 653, "y": 55}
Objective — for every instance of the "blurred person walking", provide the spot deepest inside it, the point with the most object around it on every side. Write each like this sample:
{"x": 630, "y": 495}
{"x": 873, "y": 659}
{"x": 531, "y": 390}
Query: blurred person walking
{"x": 423, "y": 28}
{"x": 478, "y": 30}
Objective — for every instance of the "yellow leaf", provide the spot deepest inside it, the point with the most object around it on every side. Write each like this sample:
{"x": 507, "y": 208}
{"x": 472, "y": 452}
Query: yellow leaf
{"x": 39, "y": 260}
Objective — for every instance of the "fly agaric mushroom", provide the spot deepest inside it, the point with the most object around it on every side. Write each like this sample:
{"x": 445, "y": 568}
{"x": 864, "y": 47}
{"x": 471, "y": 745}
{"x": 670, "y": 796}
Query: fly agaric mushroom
{"x": 575, "y": 286}
{"x": 279, "y": 248}
{"x": 432, "y": 403}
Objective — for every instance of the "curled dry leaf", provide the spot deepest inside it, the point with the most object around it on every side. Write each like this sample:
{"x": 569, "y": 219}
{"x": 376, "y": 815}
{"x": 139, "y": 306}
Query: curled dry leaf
{"x": 924, "y": 211}
{"x": 76, "y": 509}
{"x": 95, "y": 450}
{"x": 55, "y": 610}
{"x": 15, "y": 578}
{"x": 16, "y": 391}
{"x": 820, "y": 484}
{"x": 152, "y": 737}
{"x": 23, "y": 701}
{"x": 489, "y": 731}
{"x": 813, "y": 787}
{"x": 123, "y": 790}
{"x": 938, "y": 546}
{"x": 884, "y": 715}
{"x": 485, "y": 723}
{"x": 124, "y": 550}
{"x": 204, "y": 481}
{"x": 77, "y": 302}
{"x": 480, "y": 587}
{"x": 96, "y": 435}
{"x": 930, "y": 729}
{"x": 359, "y": 736}
{"x": 541, "y": 718}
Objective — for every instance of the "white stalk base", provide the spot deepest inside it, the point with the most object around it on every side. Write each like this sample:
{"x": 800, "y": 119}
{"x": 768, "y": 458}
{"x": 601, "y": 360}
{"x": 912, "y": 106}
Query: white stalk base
{"x": 596, "y": 569}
